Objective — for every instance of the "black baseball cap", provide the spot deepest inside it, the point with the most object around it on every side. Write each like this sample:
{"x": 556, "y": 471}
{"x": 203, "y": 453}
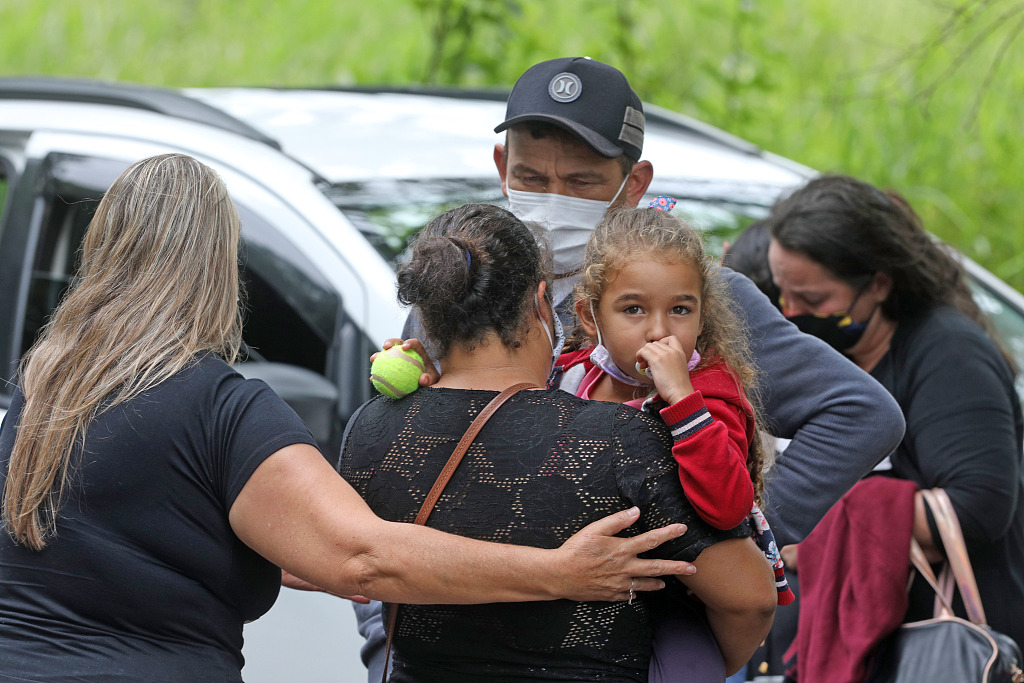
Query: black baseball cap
{"x": 588, "y": 98}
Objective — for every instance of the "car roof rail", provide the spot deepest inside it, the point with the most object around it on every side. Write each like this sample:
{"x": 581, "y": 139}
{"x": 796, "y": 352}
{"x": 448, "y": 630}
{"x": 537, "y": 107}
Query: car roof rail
{"x": 160, "y": 100}
{"x": 653, "y": 113}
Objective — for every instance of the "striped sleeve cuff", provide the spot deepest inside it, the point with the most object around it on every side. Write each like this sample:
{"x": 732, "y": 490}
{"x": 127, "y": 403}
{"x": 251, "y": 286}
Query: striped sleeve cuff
{"x": 687, "y": 417}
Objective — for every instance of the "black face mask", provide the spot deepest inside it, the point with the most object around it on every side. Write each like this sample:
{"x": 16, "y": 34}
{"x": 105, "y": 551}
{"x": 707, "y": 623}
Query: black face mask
{"x": 836, "y": 330}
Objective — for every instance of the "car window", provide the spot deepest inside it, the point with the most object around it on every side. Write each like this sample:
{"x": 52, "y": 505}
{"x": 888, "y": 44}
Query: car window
{"x": 1009, "y": 323}
{"x": 66, "y": 211}
{"x": 720, "y": 221}
{"x": 290, "y": 311}
{"x": 389, "y": 213}
{"x": 4, "y": 185}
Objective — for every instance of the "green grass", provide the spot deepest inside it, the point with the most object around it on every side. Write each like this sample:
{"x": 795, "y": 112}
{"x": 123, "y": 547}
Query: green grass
{"x": 830, "y": 83}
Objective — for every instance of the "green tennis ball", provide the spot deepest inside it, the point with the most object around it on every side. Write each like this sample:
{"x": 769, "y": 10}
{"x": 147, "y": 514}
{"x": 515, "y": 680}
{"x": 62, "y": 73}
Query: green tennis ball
{"x": 396, "y": 372}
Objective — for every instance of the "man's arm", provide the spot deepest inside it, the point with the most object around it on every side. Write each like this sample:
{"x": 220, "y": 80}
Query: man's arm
{"x": 841, "y": 421}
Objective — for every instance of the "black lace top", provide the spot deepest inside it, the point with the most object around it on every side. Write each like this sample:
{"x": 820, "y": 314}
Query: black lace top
{"x": 544, "y": 466}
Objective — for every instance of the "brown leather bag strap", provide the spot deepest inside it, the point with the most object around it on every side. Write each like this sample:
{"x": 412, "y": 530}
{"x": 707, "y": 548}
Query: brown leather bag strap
{"x": 467, "y": 439}
{"x": 442, "y": 481}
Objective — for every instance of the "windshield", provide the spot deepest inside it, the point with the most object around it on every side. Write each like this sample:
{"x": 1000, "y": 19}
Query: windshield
{"x": 1009, "y": 324}
{"x": 389, "y": 213}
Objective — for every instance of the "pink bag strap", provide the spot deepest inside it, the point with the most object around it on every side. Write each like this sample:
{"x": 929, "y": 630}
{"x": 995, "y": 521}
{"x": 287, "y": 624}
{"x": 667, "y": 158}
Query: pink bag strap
{"x": 943, "y": 596}
{"x": 956, "y": 552}
{"x": 442, "y": 480}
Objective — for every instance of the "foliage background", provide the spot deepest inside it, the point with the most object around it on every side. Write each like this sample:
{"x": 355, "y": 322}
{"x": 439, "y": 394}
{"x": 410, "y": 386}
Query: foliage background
{"x": 918, "y": 95}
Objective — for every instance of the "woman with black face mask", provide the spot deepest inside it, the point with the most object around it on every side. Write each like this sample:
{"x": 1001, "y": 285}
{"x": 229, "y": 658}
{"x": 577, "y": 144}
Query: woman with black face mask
{"x": 856, "y": 268}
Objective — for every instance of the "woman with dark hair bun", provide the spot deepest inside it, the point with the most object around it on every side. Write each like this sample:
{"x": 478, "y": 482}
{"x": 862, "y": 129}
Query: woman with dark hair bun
{"x": 545, "y": 465}
{"x": 468, "y": 276}
{"x": 856, "y": 268}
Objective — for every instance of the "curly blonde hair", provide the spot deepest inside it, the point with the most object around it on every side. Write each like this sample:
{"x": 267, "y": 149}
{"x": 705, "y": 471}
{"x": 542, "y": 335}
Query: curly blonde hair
{"x": 629, "y": 235}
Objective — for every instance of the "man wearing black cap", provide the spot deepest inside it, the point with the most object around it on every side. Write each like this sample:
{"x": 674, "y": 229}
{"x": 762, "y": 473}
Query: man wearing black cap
{"x": 574, "y": 138}
{"x": 575, "y": 132}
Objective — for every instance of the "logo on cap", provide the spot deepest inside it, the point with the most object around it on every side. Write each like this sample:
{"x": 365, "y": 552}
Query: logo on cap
{"x": 565, "y": 87}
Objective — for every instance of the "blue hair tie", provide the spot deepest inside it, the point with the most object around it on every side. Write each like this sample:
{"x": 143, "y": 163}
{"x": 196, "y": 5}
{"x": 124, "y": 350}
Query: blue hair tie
{"x": 665, "y": 204}
{"x": 469, "y": 261}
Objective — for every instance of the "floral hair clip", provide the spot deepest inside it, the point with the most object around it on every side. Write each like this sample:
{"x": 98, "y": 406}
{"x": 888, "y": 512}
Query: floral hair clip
{"x": 665, "y": 204}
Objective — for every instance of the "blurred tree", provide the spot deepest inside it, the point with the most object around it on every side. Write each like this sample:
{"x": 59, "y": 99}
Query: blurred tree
{"x": 973, "y": 29}
{"x": 455, "y": 24}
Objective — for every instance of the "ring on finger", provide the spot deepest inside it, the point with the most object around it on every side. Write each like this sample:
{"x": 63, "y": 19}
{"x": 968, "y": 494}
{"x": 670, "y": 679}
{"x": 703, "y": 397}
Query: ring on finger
{"x": 631, "y": 594}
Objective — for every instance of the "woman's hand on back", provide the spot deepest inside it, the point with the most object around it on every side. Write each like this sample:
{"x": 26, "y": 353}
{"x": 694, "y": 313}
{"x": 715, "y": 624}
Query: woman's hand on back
{"x": 297, "y": 512}
{"x": 598, "y": 565}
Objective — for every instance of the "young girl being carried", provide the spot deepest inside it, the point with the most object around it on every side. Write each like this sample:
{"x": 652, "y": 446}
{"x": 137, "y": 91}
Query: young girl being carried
{"x": 656, "y": 330}
{"x": 667, "y": 339}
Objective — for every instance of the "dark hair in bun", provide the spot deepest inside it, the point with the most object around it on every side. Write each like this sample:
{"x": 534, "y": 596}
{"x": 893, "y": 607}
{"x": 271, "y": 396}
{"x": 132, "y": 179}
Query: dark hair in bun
{"x": 473, "y": 271}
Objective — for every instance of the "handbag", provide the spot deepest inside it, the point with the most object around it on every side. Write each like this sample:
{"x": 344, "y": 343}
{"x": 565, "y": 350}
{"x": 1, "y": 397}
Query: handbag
{"x": 946, "y": 647}
{"x": 442, "y": 480}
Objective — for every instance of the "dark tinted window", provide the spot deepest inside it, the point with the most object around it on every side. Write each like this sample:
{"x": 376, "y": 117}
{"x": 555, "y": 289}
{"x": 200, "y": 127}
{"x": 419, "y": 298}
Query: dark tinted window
{"x": 291, "y": 312}
{"x": 4, "y": 184}
{"x": 720, "y": 221}
{"x": 73, "y": 189}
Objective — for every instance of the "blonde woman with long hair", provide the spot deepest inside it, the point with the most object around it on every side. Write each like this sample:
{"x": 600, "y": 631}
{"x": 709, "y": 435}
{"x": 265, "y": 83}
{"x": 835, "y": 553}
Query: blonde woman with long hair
{"x": 151, "y": 494}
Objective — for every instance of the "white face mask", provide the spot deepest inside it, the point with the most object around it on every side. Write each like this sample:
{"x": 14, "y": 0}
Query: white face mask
{"x": 567, "y": 222}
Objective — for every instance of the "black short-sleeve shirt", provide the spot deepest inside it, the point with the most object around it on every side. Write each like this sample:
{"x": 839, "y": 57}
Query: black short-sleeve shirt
{"x": 544, "y": 466}
{"x": 145, "y": 579}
